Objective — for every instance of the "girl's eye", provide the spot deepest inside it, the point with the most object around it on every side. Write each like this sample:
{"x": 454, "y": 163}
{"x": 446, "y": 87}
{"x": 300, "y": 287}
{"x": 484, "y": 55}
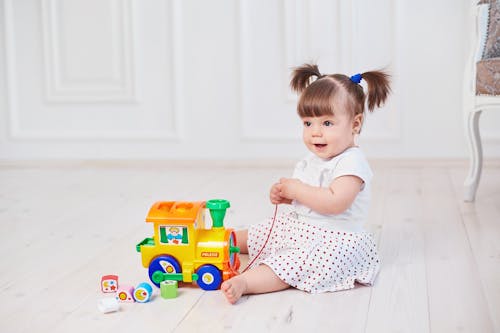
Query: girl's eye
{"x": 307, "y": 123}
{"x": 328, "y": 123}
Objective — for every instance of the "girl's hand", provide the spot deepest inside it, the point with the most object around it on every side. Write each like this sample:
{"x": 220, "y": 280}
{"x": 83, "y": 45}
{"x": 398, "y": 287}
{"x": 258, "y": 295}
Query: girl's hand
{"x": 275, "y": 196}
{"x": 289, "y": 187}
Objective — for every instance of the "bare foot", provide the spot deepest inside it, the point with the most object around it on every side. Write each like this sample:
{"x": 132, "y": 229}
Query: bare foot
{"x": 234, "y": 288}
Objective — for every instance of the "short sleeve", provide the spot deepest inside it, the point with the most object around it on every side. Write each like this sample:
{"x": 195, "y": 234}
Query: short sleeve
{"x": 353, "y": 163}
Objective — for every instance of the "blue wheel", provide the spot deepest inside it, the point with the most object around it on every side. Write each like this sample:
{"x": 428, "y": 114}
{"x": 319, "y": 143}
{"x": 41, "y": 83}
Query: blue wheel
{"x": 163, "y": 264}
{"x": 209, "y": 277}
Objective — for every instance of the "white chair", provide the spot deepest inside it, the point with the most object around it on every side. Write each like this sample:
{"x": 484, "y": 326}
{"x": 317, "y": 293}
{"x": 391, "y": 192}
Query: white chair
{"x": 482, "y": 84}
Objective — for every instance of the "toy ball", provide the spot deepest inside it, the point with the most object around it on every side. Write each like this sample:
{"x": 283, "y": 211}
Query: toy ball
{"x": 143, "y": 292}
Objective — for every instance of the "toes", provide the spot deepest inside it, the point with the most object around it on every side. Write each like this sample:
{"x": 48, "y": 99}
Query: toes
{"x": 225, "y": 286}
{"x": 226, "y": 289}
{"x": 232, "y": 289}
{"x": 229, "y": 292}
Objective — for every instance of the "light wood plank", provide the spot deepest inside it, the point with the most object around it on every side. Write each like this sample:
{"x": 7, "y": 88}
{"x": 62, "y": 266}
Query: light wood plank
{"x": 399, "y": 297}
{"x": 455, "y": 301}
{"x": 64, "y": 244}
{"x": 482, "y": 224}
{"x": 63, "y": 225}
{"x": 286, "y": 311}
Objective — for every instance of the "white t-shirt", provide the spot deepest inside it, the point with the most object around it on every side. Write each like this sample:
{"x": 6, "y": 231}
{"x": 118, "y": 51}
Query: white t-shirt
{"x": 315, "y": 171}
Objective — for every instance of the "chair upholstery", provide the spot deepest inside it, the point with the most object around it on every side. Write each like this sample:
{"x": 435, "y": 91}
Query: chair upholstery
{"x": 487, "y": 80}
{"x": 482, "y": 84}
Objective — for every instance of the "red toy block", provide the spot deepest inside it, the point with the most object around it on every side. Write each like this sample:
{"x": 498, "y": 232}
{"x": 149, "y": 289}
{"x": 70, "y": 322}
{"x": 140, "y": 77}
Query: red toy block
{"x": 109, "y": 283}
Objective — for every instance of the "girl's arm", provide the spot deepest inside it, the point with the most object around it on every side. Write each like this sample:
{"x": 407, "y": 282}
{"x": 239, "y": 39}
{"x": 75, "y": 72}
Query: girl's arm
{"x": 332, "y": 200}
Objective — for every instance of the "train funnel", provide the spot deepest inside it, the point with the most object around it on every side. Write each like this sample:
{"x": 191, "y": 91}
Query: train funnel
{"x": 218, "y": 209}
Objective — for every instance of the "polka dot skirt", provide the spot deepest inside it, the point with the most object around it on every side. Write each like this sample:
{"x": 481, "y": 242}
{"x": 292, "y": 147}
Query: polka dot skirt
{"x": 311, "y": 258}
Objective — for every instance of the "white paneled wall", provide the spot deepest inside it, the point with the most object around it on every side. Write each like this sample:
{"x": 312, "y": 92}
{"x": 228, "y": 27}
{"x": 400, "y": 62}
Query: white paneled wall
{"x": 73, "y": 73}
{"x": 192, "y": 79}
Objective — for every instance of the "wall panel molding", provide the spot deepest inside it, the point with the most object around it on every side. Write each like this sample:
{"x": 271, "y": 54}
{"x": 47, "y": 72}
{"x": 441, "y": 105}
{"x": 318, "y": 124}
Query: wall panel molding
{"x": 165, "y": 78}
{"x": 291, "y": 23}
{"x": 64, "y": 90}
{"x": 338, "y": 50}
{"x": 10, "y": 68}
{"x": 295, "y": 27}
{"x": 115, "y": 82}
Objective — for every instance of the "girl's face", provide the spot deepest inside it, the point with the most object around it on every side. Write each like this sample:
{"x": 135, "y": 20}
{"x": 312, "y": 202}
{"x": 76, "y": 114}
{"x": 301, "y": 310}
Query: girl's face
{"x": 328, "y": 136}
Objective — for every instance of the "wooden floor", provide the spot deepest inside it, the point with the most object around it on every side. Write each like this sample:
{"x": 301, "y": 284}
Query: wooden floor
{"x": 63, "y": 225}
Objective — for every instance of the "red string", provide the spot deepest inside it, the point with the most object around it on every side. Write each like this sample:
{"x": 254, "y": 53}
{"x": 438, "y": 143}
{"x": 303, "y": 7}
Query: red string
{"x": 265, "y": 243}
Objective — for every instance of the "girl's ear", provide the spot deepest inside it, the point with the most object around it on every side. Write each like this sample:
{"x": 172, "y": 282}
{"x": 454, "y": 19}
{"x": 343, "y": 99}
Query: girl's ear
{"x": 357, "y": 123}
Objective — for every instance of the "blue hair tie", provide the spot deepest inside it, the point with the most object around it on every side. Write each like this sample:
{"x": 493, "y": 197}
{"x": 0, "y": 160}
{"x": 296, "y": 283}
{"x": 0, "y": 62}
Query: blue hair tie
{"x": 356, "y": 78}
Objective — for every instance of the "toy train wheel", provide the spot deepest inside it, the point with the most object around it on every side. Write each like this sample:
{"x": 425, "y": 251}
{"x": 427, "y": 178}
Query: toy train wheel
{"x": 163, "y": 264}
{"x": 209, "y": 277}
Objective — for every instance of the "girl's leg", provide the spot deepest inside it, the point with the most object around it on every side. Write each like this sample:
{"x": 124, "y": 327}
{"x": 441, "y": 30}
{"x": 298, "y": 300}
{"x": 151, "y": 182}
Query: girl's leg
{"x": 258, "y": 280}
{"x": 241, "y": 240}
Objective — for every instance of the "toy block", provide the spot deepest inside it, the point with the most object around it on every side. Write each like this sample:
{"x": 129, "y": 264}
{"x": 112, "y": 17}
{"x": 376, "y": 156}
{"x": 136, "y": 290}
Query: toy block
{"x": 143, "y": 292}
{"x": 107, "y": 305}
{"x": 109, "y": 283}
{"x": 168, "y": 289}
{"x": 125, "y": 294}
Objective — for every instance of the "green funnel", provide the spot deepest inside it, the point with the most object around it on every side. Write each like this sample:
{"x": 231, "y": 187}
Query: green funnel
{"x": 217, "y": 209}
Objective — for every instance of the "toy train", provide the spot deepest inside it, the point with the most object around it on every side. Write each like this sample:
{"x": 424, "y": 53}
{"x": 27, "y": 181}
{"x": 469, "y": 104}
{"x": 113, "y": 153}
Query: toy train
{"x": 183, "y": 250}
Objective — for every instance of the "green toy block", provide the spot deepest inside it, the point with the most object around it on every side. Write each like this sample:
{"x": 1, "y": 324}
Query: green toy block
{"x": 168, "y": 289}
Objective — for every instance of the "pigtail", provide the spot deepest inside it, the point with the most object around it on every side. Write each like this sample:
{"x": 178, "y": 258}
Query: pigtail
{"x": 378, "y": 88}
{"x": 301, "y": 76}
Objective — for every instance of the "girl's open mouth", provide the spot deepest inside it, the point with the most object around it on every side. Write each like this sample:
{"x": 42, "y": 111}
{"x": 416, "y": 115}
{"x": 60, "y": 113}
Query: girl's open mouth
{"x": 320, "y": 145}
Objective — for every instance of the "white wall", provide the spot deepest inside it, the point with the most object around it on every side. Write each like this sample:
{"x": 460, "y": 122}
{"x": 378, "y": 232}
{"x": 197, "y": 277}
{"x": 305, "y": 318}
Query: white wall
{"x": 209, "y": 79}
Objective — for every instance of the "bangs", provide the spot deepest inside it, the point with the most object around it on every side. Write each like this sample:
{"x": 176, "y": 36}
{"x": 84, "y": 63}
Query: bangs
{"x": 317, "y": 99}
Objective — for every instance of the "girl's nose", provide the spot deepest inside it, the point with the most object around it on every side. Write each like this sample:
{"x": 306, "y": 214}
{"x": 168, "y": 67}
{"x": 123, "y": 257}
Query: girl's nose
{"x": 316, "y": 131}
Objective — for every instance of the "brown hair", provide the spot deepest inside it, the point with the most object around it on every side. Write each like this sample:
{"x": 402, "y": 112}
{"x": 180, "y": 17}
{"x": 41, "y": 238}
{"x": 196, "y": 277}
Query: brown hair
{"x": 330, "y": 93}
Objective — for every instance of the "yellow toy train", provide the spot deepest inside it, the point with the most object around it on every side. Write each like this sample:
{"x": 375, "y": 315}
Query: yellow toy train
{"x": 183, "y": 250}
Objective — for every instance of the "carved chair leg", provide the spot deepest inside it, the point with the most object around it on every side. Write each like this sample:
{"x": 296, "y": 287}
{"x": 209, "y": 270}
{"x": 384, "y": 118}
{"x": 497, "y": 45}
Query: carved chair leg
{"x": 476, "y": 161}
